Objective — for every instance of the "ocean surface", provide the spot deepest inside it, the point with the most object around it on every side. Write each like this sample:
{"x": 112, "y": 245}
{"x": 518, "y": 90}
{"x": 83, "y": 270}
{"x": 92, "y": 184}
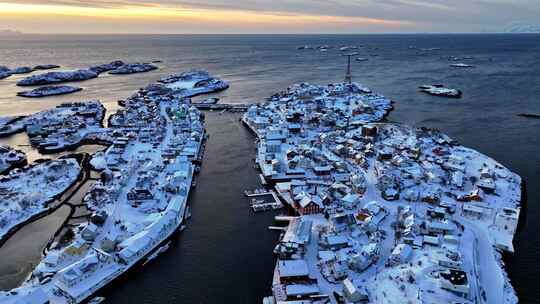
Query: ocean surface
{"x": 225, "y": 254}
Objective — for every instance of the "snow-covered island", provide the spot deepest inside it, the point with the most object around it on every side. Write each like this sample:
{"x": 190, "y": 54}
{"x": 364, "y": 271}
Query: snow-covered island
{"x": 132, "y": 68}
{"x": 383, "y": 212}
{"x": 62, "y": 128}
{"x": 139, "y": 202}
{"x": 49, "y": 91}
{"x": 102, "y": 68}
{"x": 440, "y": 90}
{"x": 193, "y": 83}
{"x": 57, "y": 77}
{"x": 26, "y": 193}
{"x": 6, "y": 72}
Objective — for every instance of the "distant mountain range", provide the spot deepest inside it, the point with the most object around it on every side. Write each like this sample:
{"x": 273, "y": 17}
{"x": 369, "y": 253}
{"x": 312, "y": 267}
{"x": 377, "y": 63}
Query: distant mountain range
{"x": 519, "y": 27}
{"x": 10, "y": 33}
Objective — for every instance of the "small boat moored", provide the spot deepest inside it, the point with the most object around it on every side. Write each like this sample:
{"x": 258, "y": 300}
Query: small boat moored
{"x": 96, "y": 300}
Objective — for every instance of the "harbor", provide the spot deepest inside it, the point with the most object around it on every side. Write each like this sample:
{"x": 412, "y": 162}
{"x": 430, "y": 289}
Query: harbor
{"x": 500, "y": 134}
{"x": 222, "y": 226}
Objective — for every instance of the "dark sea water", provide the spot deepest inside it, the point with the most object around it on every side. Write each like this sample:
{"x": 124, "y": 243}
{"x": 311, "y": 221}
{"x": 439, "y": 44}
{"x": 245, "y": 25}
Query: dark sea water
{"x": 225, "y": 255}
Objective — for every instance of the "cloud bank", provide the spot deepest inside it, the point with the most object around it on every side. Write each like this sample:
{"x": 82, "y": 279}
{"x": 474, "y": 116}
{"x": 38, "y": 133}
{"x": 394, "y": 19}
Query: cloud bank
{"x": 256, "y": 16}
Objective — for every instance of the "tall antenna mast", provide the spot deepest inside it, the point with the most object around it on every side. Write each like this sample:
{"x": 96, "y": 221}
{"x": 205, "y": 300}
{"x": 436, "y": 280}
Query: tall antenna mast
{"x": 348, "y": 75}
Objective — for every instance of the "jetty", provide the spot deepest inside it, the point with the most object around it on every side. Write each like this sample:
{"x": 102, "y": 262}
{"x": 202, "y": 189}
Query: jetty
{"x": 230, "y": 107}
{"x": 262, "y": 205}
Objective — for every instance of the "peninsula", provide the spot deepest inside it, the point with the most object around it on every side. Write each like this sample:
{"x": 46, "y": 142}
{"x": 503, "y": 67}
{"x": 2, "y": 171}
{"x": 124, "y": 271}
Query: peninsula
{"x": 155, "y": 144}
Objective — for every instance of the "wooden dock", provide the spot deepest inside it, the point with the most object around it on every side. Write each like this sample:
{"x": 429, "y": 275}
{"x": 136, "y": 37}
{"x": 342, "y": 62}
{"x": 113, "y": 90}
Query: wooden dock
{"x": 276, "y": 204}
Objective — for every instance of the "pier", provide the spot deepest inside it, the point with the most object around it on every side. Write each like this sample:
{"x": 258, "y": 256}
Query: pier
{"x": 231, "y": 107}
{"x": 258, "y": 206}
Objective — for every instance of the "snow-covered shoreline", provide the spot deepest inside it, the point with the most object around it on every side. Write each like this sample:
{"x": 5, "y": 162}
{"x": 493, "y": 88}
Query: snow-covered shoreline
{"x": 22, "y": 203}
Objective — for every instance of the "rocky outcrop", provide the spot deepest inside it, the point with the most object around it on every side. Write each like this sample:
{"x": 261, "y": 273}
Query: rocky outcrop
{"x": 133, "y": 68}
{"x": 102, "y": 68}
{"x": 22, "y": 70}
{"x": 46, "y": 67}
{"x": 49, "y": 91}
{"x": 4, "y": 72}
{"x": 57, "y": 77}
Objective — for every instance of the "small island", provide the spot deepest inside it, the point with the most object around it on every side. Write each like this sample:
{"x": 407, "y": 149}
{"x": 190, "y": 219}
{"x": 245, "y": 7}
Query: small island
{"x": 57, "y": 77}
{"x": 49, "y": 91}
{"x": 133, "y": 68}
{"x": 102, "y": 68}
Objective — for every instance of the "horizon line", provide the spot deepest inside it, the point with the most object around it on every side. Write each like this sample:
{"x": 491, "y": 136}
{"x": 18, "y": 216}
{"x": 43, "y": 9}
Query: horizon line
{"x": 15, "y": 33}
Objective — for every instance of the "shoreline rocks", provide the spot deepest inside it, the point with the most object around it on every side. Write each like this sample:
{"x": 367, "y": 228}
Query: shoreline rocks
{"x": 441, "y": 91}
{"x": 49, "y": 91}
{"x": 57, "y": 77}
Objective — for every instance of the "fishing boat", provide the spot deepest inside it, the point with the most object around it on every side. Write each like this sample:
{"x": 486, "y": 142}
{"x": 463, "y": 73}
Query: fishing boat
{"x": 209, "y": 101}
{"x": 96, "y": 300}
{"x": 188, "y": 213}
